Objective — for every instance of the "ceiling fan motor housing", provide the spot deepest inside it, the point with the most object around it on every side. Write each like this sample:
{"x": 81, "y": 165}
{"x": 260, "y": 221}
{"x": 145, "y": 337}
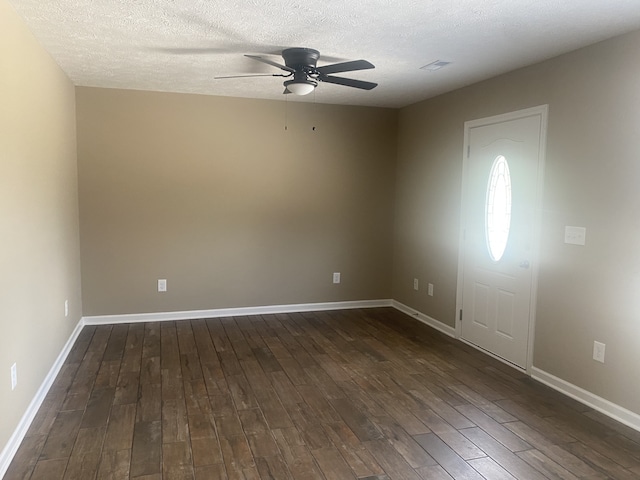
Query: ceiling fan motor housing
{"x": 304, "y": 59}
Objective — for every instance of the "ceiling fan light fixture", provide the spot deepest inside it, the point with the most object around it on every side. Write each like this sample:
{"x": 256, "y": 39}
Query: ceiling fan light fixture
{"x": 301, "y": 87}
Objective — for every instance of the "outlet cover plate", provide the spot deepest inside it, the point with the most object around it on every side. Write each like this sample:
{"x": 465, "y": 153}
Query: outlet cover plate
{"x": 415, "y": 284}
{"x": 575, "y": 235}
{"x": 336, "y": 277}
{"x": 162, "y": 284}
{"x": 14, "y": 376}
{"x": 598, "y": 351}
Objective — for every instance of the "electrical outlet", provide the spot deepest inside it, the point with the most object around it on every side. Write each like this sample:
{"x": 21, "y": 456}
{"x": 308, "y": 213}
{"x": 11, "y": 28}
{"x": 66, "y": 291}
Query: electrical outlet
{"x": 598, "y": 351}
{"x": 575, "y": 235}
{"x": 415, "y": 284}
{"x": 66, "y": 308}
{"x": 336, "y": 277}
{"x": 430, "y": 289}
{"x": 162, "y": 284}
{"x": 14, "y": 376}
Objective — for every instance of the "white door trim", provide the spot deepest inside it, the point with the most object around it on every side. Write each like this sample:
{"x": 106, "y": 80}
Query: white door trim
{"x": 542, "y": 111}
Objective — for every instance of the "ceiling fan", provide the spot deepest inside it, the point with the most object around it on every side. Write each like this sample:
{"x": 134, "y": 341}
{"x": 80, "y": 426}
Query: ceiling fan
{"x": 300, "y": 63}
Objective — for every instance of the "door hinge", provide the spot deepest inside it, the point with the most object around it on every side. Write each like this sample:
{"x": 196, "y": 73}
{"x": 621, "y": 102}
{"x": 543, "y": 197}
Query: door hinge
{"x": 468, "y": 150}
{"x": 460, "y": 314}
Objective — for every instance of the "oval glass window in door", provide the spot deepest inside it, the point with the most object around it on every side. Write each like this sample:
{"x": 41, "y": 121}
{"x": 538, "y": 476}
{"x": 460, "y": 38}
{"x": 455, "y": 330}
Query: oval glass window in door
{"x": 498, "y": 208}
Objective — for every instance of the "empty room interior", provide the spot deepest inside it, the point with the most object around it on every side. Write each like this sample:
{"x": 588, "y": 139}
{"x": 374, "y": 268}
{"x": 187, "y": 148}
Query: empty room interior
{"x": 204, "y": 278}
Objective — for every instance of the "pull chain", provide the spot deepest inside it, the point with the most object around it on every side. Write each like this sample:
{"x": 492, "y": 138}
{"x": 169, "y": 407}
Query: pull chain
{"x": 286, "y": 106}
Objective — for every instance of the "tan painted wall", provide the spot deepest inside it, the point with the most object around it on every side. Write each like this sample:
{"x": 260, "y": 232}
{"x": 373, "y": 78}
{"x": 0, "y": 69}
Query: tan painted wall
{"x": 214, "y": 195}
{"x": 39, "y": 258}
{"x": 592, "y": 180}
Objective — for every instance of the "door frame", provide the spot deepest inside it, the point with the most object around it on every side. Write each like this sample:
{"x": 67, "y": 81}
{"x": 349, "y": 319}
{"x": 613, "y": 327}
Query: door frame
{"x": 542, "y": 111}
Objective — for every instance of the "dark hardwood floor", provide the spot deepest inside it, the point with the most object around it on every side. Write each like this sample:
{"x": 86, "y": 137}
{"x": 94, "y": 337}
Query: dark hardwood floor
{"x": 367, "y": 394}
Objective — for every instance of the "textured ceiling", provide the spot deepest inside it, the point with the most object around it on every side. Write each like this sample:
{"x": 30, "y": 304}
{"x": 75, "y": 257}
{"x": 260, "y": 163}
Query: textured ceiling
{"x": 180, "y": 45}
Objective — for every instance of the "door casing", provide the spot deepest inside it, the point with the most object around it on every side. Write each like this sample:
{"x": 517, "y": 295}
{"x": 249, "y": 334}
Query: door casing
{"x": 542, "y": 111}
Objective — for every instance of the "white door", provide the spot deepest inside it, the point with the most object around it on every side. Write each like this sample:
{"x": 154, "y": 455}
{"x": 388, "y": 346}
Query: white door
{"x": 503, "y": 171}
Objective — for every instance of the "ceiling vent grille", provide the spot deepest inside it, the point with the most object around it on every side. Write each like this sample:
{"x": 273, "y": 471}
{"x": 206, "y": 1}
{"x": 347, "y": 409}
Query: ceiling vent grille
{"x": 437, "y": 65}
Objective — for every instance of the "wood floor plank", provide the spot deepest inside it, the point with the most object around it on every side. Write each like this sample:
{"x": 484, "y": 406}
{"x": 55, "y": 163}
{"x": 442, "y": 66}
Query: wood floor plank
{"x": 25, "y": 459}
{"x": 495, "y": 429}
{"x": 175, "y": 454}
{"x": 46, "y": 415}
{"x": 151, "y": 340}
{"x": 447, "y": 458}
{"x": 211, "y": 472}
{"x": 309, "y": 427}
{"x": 243, "y": 396}
{"x": 98, "y": 407}
{"x": 107, "y": 378}
{"x": 49, "y": 469}
{"x": 592, "y": 435}
{"x": 127, "y": 387}
{"x": 149, "y": 406}
{"x": 114, "y": 465}
{"x": 548, "y": 429}
{"x": 120, "y": 429}
{"x": 545, "y": 465}
{"x": 237, "y": 456}
{"x": 391, "y": 461}
{"x": 84, "y": 466}
{"x": 357, "y": 420}
{"x": 404, "y": 443}
{"x": 284, "y": 388}
{"x": 488, "y": 468}
{"x": 554, "y": 452}
{"x": 599, "y": 462}
{"x": 365, "y": 393}
{"x": 133, "y": 346}
{"x": 461, "y": 445}
{"x": 332, "y": 464}
{"x": 117, "y": 340}
{"x": 206, "y": 451}
{"x": 146, "y": 452}
{"x": 502, "y": 455}
{"x": 352, "y": 450}
{"x": 434, "y": 473}
{"x": 62, "y": 436}
{"x": 174, "y": 421}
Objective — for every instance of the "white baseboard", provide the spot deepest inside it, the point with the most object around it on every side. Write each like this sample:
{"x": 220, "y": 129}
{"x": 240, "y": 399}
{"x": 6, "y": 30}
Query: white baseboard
{"x": 426, "y": 319}
{"x": 232, "y": 312}
{"x": 10, "y": 449}
{"x": 621, "y": 414}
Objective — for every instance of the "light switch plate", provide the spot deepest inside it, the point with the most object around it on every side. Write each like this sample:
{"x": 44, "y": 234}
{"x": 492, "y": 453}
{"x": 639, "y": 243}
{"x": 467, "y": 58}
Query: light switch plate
{"x": 575, "y": 235}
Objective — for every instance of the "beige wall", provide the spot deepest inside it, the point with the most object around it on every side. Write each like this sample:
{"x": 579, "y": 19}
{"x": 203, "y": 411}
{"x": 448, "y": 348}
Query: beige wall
{"x": 214, "y": 195}
{"x": 592, "y": 180}
{"x": 39, "y": 258}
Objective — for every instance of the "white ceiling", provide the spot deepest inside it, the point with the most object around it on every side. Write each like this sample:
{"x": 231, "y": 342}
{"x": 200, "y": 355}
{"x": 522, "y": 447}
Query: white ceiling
{"x": 145, "y": 44}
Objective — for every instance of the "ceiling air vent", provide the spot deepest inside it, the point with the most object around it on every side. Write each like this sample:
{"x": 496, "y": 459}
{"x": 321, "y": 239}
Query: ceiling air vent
{"x": 433, "y": 66}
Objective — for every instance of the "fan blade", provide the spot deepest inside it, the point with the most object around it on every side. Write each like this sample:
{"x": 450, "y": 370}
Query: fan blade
{"x": 345, "y": 67}
{"x": 348, "y": 82}
{"x": 269, "y": 62}
{"x": 254, "y": 75}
